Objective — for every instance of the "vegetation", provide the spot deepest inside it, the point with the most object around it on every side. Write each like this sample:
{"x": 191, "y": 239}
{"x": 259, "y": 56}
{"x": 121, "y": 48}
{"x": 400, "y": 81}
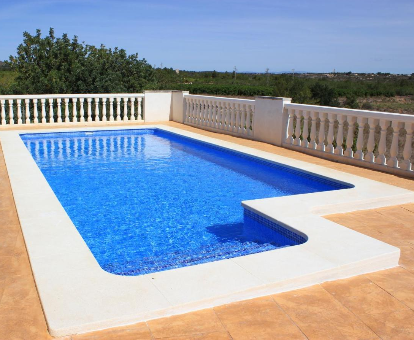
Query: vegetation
{"x": 62, "y": 65}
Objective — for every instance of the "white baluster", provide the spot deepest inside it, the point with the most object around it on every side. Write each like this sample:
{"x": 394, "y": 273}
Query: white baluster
{"x": 370, "y": 157}
{"x": 235, "y": 117}
{"x": 19, "y": 112}
{"x": 393, "y": 161}
{"x": 59, "y": 109}
{"x": 350, "y": 136}
{"x": 230, "y": 117}
{"x": 330, "y": 137}
{"x": 140, "y": 118}
{"x": 43, "y": 101}
{"x": 74, "y": 110}
{"x": 125, "y": 109}
{"x": 314, "y": 117}
{"x": 104, "y": 109}
{"x": 190, "y": 107}
{"x": 11, "y": 113}
{"x": 339, "y": 150}
{"x": 381, "y": 159}
{"x": 195, "y": 111}
{"x": 238, "y": 118}
{"x": 206, "y": 112}
{"x": 3, "y": 112}
{"x": 89, "y": 101}
{"x": 321, "y": 137}
{"x": 67, "y": 118}
{"x": 118, "y": 109}
{"x": 51, "y": 118}
{"x": 215, "y": 114}
{"x": 360, "y": 139}
{"x": 35, "y": 113}
{"x": 289, "y": 127}
{"x": 187, "y": 110}
{"x": 199, "y": 112}
{"x": 297, "y": 141}
{"x": 406, "y": 163}
{"x": 97, "y": 113}
{"x": 208, "y": 115}
{"x": 202, "y": 112}
{"x": 27, "y": 112}
{"x": 223, "y": 116}
{"x": 111, "y": 109}
{"x": 81, "y": 110}
{"x": 133, "y": 108}
{"x": 251, "y": 121}
{"x": 227, "y": 118}
{"x": 305, "y": 131}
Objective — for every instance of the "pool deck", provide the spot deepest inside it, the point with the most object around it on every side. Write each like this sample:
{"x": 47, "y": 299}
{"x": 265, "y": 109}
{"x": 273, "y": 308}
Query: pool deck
{"x": 372, "y": 306}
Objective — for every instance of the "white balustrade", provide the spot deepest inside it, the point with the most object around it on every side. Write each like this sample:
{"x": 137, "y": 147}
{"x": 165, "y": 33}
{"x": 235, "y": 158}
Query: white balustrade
{"x": 372, "y": 127}
{"x": 232, "y": 116}
{"x": 68, "y": 108}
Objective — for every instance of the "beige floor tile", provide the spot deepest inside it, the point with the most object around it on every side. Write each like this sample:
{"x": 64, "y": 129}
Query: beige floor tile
{"x": 320, "y": 316}
{"x": 407, "y": 257}
{"x": 208, "y": 336}
{"x": 135, "y": 332}
{"x": 196, "y": 323}
{"x": 398, "y": 282}
{"x": 397, "y": 325}
{"x": 13, "y": 265}
{"x": 259, "y": 318}
{"x": 361, "y": 296}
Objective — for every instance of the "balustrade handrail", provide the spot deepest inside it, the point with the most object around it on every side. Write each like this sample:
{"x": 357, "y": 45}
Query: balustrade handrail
{"x": 223, "y": 99}
{"x": 354, "y": 112}
{"x": 81, "y": 95}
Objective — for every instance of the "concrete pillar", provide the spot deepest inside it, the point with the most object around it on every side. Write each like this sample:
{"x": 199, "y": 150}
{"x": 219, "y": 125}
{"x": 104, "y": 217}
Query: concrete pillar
{"x": 157, "y": 106}
{"x": 178, "y": 106}
{"x": 270, "y": 121}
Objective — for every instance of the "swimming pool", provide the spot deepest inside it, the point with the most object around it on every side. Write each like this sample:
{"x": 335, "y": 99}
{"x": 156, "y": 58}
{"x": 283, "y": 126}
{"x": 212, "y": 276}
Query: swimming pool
{"x": 78, "y": 296}
{"x": 149, "y": 200}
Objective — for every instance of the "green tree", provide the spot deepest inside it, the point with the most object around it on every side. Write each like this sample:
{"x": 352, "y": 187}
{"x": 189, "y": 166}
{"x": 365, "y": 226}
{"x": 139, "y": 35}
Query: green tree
{"x": 324, "y": 95}
{"x": 351, "y": 101}
{"x": 62, "y": 65}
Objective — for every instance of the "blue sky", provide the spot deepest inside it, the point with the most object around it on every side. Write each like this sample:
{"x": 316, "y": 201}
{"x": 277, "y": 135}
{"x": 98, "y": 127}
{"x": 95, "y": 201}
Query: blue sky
{"x": 311, "y": 35}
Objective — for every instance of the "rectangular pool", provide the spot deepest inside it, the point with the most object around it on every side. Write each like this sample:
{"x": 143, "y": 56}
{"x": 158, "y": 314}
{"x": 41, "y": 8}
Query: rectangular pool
{"x": 149, "y": 200}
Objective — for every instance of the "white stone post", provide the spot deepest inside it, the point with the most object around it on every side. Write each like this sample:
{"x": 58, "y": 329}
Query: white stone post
{"x": 270, "y": 120}
{"x": 179, "y": 106}
{"x": 158, "y": 106}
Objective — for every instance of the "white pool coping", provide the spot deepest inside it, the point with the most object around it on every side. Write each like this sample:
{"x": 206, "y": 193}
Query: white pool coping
{"x": 78, "y": 296}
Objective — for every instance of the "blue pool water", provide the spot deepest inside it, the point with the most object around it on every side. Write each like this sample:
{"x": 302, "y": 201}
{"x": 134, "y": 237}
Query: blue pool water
{"x": 150, "y": 200}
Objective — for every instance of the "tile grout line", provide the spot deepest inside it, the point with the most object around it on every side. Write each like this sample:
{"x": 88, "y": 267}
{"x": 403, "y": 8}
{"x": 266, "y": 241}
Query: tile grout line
{"x": 281, "y": 308}
{"x": 352, "y": 312}
{"x": 387, "y": 292}
{"x": 221, "y": 322}
{"x": 149, "y": 328}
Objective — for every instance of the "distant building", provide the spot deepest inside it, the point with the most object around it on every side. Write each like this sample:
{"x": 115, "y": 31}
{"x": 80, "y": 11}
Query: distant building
{"x": 177, "y": 71}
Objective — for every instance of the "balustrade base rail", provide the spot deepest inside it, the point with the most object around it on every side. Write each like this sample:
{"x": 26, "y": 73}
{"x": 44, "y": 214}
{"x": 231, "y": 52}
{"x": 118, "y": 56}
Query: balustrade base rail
{"x": 350, "y": 161}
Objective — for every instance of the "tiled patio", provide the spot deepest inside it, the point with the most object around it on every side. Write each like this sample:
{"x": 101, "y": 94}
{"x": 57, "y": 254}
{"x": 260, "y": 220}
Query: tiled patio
{"x": 372, "y": 306}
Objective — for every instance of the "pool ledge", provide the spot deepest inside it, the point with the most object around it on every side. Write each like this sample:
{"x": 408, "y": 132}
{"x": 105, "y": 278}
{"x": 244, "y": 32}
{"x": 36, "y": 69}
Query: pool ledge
{"x": 78, "y": 296}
